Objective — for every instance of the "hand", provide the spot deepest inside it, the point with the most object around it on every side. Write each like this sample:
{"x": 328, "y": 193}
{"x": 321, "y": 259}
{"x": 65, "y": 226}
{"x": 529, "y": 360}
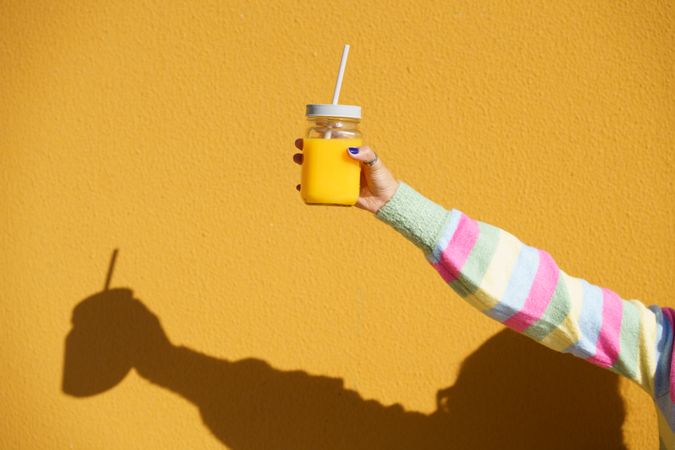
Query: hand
{"x": 377, "y": 183}
{"x": 112, "y": 332}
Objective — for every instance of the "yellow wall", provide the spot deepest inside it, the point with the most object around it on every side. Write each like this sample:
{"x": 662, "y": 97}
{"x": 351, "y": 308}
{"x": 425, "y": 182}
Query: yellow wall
{"x": 165, "y": 129}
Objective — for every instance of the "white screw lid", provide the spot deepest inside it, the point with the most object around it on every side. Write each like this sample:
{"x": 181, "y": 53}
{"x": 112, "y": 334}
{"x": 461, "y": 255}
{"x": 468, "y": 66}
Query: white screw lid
{"x": 331, "y": 110}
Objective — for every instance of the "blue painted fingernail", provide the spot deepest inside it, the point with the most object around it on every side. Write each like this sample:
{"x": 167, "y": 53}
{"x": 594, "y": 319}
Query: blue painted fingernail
{"x": 354, "y": 150}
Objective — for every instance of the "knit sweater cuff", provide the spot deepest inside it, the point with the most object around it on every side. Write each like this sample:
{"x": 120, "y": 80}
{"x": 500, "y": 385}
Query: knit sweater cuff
{"x": 415, "y": 217}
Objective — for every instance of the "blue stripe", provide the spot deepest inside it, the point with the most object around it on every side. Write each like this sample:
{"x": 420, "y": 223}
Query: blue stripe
{"x": 590, "y": 322}
{"x": 519, "y": 285}
{"x": 443, "y": 242}
{"x": 664, "y": 347}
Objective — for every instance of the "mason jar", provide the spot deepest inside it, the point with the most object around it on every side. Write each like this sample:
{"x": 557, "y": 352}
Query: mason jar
{"x": 329, "y": 175}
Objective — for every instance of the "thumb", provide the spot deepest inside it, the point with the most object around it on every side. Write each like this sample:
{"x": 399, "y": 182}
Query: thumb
{"x": 365, "y": 154}
{"x": 381, "y": 182}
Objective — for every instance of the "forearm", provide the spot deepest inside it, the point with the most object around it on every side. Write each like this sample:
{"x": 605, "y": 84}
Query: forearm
{"x": 524, "y": 288}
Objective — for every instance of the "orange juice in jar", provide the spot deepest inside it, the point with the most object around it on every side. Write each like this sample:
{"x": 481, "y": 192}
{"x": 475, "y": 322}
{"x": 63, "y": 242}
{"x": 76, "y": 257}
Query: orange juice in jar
{"x": 329, "y": 175}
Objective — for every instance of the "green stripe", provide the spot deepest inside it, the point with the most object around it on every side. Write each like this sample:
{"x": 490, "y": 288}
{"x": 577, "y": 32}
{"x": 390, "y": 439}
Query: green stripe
{"x": 627, "y": 362}
{"x": 554, "y": 314}
{"x": 478, "y": 261}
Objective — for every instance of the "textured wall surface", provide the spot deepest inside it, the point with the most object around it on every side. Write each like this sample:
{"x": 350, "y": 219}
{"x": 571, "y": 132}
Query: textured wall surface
{"x": 165, "y": 129}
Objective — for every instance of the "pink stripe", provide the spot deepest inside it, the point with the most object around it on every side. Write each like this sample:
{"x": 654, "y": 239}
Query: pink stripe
{"x": 456, "y": 253}
{"x": 670, "y": 315}
{"x": 609, "y": 342}
{"x": 447, "y": 276}
{"x": 543, "y": 287}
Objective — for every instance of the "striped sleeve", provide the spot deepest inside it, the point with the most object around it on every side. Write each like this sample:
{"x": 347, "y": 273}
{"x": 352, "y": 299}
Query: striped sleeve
{"x": 523, "y": 288}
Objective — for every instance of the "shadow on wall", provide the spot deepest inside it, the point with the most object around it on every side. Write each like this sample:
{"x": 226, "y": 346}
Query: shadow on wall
{"x": 511, "y": 393}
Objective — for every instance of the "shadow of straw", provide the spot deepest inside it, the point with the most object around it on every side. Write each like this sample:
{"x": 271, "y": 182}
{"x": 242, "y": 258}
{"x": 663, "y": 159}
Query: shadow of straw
{"x": 511, "y": 393}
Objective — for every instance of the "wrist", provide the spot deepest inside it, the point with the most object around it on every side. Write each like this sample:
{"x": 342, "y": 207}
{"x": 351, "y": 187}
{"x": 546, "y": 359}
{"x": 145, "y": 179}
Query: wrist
{"x": 415, "y": 216}
{"x": 386, "y": 196}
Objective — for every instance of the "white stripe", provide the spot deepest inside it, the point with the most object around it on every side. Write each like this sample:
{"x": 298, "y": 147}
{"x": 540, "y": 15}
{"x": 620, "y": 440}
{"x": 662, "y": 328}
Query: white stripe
{"x": 647, "y": 347}
{"x": 497, "y": 276}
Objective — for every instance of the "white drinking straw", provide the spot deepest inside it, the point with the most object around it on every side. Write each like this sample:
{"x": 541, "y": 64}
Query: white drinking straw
{"x": 338, "y": 83}
{"x": 341, "y": 72}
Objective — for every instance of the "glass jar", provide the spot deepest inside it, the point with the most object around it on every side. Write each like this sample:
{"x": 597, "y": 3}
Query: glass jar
{"x": 333, "y": 128}
{"x": 329, "y": 175}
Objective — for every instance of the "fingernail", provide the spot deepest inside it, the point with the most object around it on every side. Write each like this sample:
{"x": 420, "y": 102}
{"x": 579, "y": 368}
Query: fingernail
{"x": 354, "y": 150}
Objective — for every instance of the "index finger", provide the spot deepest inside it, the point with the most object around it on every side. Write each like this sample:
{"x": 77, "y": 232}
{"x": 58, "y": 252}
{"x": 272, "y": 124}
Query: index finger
{"x": 298, "y": 143}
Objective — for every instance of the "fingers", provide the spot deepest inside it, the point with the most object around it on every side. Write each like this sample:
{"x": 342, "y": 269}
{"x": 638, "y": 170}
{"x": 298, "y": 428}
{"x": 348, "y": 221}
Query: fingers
{"x": 298, "y": 157}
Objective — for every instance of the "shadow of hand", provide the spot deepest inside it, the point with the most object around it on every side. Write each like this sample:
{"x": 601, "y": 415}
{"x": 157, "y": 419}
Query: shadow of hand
{"x": 112, "y": 332}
